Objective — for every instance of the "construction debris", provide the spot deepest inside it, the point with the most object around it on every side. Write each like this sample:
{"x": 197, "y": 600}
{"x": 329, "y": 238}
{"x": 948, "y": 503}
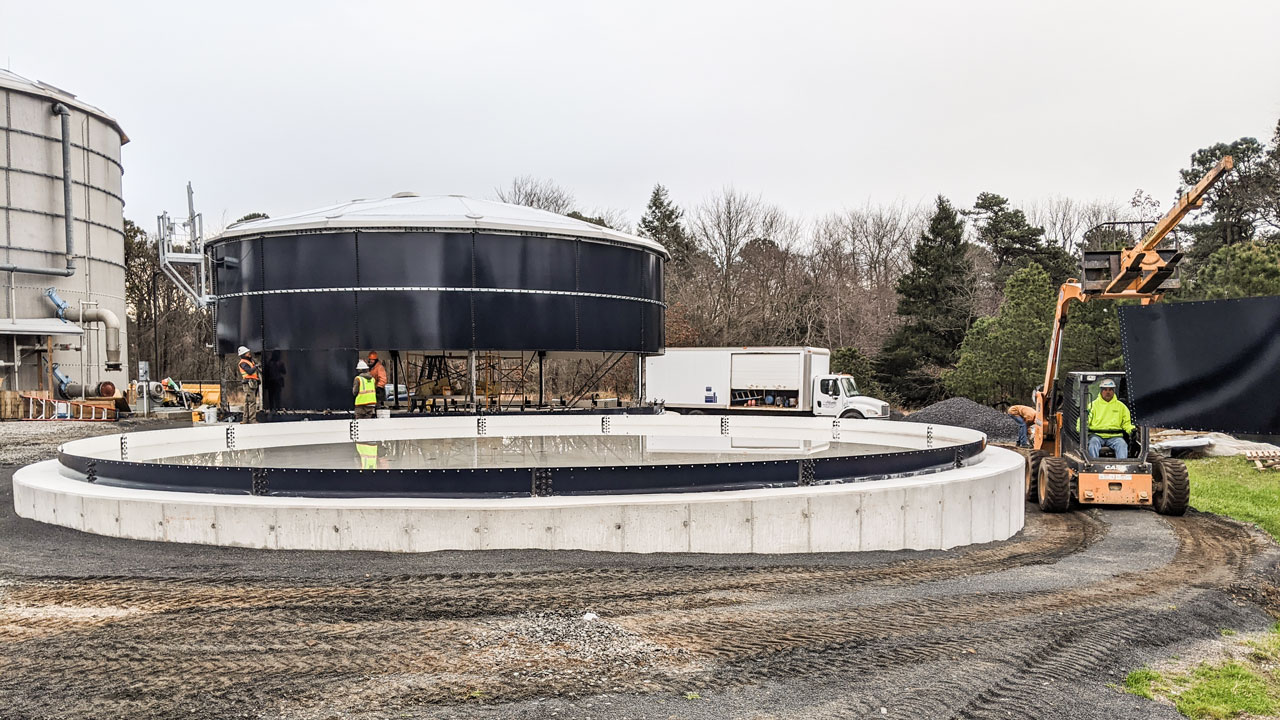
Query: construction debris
{"x": 963, "y": 412}
{"x": 1264, "y": 460}
{"x": 1189, "y": 443}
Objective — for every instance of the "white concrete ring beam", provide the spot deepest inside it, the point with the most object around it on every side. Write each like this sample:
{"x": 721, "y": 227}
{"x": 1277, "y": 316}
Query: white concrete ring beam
{"x": 979, "y": 502}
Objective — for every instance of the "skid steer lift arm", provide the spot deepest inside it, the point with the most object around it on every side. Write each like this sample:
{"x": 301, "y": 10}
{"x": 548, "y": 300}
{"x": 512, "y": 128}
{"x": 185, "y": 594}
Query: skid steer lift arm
{"x": 1141, "y": 272}
{"x": 1142, "y": 268}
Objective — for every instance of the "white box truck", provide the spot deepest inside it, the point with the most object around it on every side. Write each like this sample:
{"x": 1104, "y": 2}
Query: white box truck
{"x": 755, "y": 380}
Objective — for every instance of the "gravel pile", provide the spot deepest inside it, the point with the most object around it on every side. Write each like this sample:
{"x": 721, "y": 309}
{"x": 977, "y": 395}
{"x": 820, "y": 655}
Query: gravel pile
{"x": 578, "y": 636}
{"x": 574, "y": 649}
{"x": 965, "y": 413}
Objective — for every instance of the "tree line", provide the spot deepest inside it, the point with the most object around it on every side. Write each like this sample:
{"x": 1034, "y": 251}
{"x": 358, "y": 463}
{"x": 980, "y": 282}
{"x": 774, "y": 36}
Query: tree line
{"x": 920, "y": 303}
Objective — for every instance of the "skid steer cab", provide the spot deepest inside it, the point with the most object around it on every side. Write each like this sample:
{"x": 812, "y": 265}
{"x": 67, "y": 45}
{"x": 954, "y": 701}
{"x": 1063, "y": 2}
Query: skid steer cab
{"x": 1062, "y": 471}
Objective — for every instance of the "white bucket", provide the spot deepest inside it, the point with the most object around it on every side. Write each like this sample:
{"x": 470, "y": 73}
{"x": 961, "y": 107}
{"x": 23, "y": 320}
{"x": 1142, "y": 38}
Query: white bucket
{"x": 210, "y": 415}
{"x": 384, "y": 414}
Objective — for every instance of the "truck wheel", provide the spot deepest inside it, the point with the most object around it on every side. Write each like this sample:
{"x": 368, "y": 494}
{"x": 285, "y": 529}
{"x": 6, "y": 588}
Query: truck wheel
{"x": 1033, "y": 474}
{"x": 1173, "y": 486}
{"x": 852, "y": 415}
{"x": 694, "y": 412}
{"x": 1053, "y": 488}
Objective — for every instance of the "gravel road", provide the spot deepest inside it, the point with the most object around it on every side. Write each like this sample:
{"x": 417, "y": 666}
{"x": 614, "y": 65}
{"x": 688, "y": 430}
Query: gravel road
{"x": 1040, "y": 626}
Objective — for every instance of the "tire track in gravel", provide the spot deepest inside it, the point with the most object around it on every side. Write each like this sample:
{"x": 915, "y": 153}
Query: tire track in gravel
{"x": 493, "y": 593}
{"x": 248, "y": 646}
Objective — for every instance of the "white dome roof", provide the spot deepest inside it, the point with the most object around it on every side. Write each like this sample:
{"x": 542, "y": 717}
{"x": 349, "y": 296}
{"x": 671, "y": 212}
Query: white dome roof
{"x": 408, "y": 210}
{"x": 13, "y": 81}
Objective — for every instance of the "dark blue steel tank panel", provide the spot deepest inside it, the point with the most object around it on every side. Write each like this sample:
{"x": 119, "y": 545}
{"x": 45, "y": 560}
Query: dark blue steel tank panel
{"x": 610, "y": 325}
{"x": 415, "y": 259}
{"x": 611, "y": 269}
{"x": 525, "y": 321}
{"x": 1204, "y": 365}
{"x": 417, "y": 320}
{"x": 315, "y": 379}
{"x": 516, "y": 261}
{"x": 309, "y": 261}
{"x": 321, "y": 320}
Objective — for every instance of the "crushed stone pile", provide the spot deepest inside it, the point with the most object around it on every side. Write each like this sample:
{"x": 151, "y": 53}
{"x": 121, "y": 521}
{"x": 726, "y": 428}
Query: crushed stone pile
{"x": 575, "y": 635}
{"x": 965, "y": 413}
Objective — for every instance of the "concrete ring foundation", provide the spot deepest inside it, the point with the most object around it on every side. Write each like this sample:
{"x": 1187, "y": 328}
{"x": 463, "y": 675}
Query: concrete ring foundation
{"x": 955, "y": 490}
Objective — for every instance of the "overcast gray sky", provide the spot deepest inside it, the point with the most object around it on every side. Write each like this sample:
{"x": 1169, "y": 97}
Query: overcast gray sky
{"x": 817, "y": 106}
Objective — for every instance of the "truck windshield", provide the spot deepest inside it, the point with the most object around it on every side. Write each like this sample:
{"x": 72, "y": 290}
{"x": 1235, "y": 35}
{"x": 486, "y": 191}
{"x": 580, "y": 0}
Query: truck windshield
{"x": 850, "y": 387}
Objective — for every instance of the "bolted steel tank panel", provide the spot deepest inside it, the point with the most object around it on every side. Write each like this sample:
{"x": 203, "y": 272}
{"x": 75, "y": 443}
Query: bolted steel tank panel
{"x": 32, "y": 232}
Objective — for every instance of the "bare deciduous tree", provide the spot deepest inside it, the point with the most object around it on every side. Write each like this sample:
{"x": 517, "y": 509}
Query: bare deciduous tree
{"x": 537, "y": 193}
{"x": 857, "y": 257}
{"x": 722, "y": 226}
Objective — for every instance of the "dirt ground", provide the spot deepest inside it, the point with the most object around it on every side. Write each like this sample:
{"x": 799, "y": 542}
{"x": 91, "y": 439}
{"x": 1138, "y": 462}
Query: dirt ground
{"x": 1041, "y": 626}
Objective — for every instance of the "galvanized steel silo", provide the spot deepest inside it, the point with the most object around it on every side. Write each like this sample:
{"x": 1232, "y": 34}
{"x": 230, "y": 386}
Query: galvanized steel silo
{"x": 55, "y": 147}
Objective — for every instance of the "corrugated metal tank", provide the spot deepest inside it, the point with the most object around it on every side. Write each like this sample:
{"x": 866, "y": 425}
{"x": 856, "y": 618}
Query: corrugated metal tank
{"x": 32, "y": 233}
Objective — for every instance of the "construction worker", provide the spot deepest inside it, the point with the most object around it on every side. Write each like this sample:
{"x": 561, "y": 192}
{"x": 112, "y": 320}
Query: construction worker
{"x": 368, "y": 454}
{"x": 1026, "y": 417}
{"x": 251, "y": 375}
{"x": 379, "y": 373}
{"x": 1109, "y": 421}
{"x": 364, "y": 392}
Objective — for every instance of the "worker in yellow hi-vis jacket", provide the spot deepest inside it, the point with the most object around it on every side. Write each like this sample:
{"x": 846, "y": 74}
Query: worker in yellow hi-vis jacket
{"x": 365, "y": 391}
{"x": 1109, "y": 421}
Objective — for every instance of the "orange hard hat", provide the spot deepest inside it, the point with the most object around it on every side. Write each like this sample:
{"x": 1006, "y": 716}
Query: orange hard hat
{"x": 373, "y": 354}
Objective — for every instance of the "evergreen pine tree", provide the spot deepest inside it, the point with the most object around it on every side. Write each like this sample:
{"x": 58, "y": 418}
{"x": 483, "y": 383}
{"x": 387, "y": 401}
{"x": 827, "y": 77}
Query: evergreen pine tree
{"x": 1003, "y": 357}
{"x": 935, "y": 300}
{"x": 1241, "y": 270}
{"x": 1014, "y": 243}
{"x": 664, "y": 222}
{"x": 1245, "y": 201}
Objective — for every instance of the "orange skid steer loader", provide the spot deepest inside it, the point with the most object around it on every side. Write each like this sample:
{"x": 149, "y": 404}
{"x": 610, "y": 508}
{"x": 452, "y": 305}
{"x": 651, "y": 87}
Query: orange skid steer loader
{"x": 1061, "y": 470}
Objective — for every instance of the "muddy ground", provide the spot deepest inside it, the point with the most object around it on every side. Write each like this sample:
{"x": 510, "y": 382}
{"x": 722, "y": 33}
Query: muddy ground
{"x": 1040, "y": 626}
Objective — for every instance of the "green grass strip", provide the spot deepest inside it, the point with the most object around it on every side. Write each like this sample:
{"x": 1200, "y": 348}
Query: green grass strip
{"x": 1231, "y": 486}
{"x": 1225, "y": 691}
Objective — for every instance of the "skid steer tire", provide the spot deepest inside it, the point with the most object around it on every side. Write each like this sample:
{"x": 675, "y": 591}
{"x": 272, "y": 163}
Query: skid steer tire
{"x": 1174, "y": 485}
{"x": 1033, "y": 473}
{"x": 1053, "y": 488}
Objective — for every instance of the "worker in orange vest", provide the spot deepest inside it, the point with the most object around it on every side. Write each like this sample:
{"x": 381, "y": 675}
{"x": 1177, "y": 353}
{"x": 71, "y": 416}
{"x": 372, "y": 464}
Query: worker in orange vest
{"x": 363, "y": 390}
{"x": 251, "y": 375}
{"x": 379, "y": 373}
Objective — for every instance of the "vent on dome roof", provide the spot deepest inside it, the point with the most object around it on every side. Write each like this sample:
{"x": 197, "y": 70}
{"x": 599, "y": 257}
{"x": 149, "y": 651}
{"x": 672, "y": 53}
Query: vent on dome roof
{"x": 406, "y": 194}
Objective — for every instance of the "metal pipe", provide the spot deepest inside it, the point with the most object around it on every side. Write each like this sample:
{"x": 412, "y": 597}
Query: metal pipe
{"x": 108, "y": 319}
{"x": 155, "y": 322}
{"x": 471, "y": 372}
{"x": 542, "y": 386}
{"x": 68, "y": 221}
{"x": 638, "y": 399}
{"x": 112, "y": 325}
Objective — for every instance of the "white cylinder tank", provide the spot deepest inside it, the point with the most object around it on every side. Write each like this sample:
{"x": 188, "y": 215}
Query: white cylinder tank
{"x": 33, "y": 237}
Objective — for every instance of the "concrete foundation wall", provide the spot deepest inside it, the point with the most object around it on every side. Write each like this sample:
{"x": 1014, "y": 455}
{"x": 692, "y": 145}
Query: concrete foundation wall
{"x": 978, "y": 503}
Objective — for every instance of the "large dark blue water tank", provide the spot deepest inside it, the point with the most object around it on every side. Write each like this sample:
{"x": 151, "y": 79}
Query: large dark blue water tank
{"x": 441, "y": 273}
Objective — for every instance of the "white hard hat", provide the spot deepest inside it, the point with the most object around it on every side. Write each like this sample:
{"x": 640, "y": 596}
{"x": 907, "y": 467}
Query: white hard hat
{"x": 361, "y": 365}
{"x": 1108, "y": 383}
{"x": 243, "y": 350}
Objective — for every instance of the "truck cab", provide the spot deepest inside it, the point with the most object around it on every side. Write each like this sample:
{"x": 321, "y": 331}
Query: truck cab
{"x": 838, "y": 396}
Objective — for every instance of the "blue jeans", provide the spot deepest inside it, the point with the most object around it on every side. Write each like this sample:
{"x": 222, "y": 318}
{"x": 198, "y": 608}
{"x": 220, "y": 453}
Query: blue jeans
{"x": 1116, "y": 443}
{"x": 1022, "y": 431}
